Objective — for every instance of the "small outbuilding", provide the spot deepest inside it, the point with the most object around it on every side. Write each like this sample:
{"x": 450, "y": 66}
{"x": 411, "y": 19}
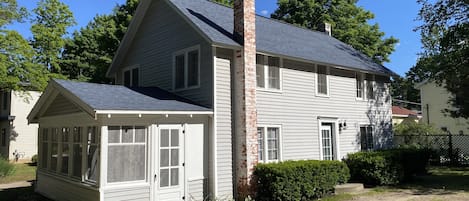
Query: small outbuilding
{"x": 109, "y": 142}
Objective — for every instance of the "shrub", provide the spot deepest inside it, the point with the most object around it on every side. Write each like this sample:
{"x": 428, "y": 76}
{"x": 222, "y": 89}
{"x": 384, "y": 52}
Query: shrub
{"x": 6, "y": 168}
{"x": 298, "y": 180}
{"x": 34, "y": 159}
{"x": 387, "y": 167}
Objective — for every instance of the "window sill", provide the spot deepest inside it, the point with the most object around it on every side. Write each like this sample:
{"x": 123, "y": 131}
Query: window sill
{"x": 323, "y": 95}
{"x": 279, "y": 91}
{"x": 127, "y": 185}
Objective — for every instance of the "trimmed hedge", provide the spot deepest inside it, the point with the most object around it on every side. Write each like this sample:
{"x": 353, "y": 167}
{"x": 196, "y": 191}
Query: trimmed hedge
{"x": 298, "y": 180}
{"x": 387, "y": 167}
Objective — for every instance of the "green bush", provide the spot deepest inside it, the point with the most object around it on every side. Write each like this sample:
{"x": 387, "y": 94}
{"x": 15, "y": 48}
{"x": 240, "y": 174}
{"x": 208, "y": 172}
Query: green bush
{"x": 298, "y": 180}
{"x": 34, "y": 159}
{"x": 6, "y": 168}
{"x": 387, "y": 167}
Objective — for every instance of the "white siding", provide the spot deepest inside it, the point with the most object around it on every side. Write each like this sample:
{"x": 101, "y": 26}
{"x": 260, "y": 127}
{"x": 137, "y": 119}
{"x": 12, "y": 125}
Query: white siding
{"x": 162, "y": 33}
{"x": 196, "y": 190}
{"x": 59, "y": 189}
{"x": 223, "y": 117}
{"x": 296, "y": 108}
{"x": 122, "y": 194}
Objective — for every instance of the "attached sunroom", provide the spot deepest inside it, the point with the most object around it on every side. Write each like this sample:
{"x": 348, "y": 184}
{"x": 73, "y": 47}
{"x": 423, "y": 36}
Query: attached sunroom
{"x": 107, "y": 142}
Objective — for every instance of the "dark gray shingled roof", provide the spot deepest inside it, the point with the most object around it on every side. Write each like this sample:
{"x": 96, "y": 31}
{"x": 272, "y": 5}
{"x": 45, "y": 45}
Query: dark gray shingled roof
{"x": 116, "y": 97}
{"x": 272, "y": 36}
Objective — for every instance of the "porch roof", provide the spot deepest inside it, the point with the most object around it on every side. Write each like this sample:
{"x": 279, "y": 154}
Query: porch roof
{"x": 111, "y": 99}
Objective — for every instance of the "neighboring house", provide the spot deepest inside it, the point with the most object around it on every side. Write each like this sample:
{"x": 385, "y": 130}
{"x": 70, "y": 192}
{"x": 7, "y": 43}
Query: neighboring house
{"x": 18, "y": 139}
{"x": 204, "y": 104}
{"x": 400, "y": 115}
{"x": 434, "y": 101}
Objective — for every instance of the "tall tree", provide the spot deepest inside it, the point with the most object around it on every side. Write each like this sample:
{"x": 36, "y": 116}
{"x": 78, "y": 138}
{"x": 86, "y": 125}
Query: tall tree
{"x": 90, "y": 53}
{"x": 349, "y": 23}
{"x": 49, "y": 29}
{"x": 445, "y": 35}
{"x": 17, "y": 70}
{"x": 225, "y": 2}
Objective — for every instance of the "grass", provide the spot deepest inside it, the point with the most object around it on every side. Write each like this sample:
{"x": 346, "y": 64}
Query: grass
{"x": 23, "y": 172}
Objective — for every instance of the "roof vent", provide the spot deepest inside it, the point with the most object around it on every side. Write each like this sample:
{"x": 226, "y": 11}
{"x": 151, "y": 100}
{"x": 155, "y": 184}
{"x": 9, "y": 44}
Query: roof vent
{"x": 326, "y": 28}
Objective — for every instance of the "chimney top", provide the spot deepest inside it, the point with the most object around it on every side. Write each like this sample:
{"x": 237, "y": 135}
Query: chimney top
{"x": 326, "y": 28}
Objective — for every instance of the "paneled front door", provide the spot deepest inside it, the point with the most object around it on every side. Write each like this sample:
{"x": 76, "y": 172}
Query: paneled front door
{"x": 170, "y": 181}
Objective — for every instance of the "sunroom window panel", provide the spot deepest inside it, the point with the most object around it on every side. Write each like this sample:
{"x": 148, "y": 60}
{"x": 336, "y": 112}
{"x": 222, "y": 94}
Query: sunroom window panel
{"x": 127, "y": 134}
{"x": 179, "y": 72}
{"x": 65, "y": 149}
{"x": 126, "y": 163}
{"x": 45, "y": 148}
{"x": 139, "y": 134}
{"x": 193, "y": 68}
{"x": 92, "y": 154}
{"x": 113, "y": 134}
{"x": 77, "y": 152}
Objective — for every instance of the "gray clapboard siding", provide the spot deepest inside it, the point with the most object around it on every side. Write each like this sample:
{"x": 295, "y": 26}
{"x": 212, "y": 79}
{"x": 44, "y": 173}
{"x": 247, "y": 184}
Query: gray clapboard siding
{"x": 163, "y": 32}
{"x": 297, "y": 108}
{"x": 123, "y": 194}
{"x": 224, "y": 124}
{"x": 61, "y": 105}
{"x": 58, "y": 189}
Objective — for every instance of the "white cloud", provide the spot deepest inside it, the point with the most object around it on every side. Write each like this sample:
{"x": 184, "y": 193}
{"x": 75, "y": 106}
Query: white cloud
{"x": 264, "y": 12}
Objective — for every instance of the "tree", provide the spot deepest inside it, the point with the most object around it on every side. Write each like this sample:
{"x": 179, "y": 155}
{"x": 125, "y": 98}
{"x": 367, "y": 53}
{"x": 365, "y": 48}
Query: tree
{"x": 225, "y": 2}
{"x": 445, "y": 36}
{"x": 348, "y": 21}
{"x": 89, "y": 54}
{"x": 10, "y": 12}
{"x": 49, "y": 28}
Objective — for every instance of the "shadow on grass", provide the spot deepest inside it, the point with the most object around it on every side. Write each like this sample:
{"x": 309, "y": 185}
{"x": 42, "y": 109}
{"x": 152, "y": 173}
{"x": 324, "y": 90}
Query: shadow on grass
{"x": 21, "y": 194}
{"x": 439, "y": 181}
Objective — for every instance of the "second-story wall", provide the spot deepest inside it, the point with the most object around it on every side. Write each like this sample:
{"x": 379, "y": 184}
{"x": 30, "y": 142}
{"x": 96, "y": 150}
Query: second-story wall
{"x": 164, "y": 32}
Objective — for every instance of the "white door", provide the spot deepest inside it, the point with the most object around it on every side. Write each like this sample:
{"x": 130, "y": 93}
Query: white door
{"x": 170, "y": 180}
{"x": 327, "y": 142}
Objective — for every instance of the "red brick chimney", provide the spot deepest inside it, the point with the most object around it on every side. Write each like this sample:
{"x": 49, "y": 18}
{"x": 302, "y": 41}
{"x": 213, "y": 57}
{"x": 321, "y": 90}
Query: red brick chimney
{"x": 245, "y": 111}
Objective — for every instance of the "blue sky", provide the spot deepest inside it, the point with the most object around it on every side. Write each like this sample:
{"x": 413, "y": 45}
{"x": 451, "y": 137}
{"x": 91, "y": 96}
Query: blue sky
{"x": 395, "y": 18}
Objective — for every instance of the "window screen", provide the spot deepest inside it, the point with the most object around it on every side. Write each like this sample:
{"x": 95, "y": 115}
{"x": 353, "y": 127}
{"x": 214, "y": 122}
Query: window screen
{"x": 77, "y": 150}
{"x": 92, "y": 154}
{"x": 193, "y": 68}
{"x": 322, "y": 79}
{"x": 179, "y": 72}
{"x": 54, "y": 154}
{"x": 65, "y": 149}
{"x": 45, "y": 148}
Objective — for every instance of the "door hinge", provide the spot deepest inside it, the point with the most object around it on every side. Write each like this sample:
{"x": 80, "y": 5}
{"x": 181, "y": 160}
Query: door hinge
{"x": 183, "y": 164}
{"x": 184, "y": 197}
{"x": 184, "y": 131}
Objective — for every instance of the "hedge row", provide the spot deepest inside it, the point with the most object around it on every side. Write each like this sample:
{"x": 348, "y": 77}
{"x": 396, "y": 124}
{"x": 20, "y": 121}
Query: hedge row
{"x": 387, "y": 167}
{"x": 299, "y": 180}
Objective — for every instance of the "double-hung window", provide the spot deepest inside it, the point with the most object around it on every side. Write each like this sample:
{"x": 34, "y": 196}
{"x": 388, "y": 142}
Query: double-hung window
{"x": 359, "y": 85}
{"x": 366, "y": 138}
{"x": 131, "y": 77}
{"x": 322, "y": 80}
{"x": 268, "y": 143}
{"x": 268, "y": 72}
{"x": 126, "y": 153}
{"x": 370, "y": 91}
{"x": 186, "y": 73}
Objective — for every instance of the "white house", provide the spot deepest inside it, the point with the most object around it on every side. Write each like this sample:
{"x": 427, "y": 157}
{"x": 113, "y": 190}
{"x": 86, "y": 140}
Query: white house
{"x": 18, "y": 139}
{"x": 203, "y": 94}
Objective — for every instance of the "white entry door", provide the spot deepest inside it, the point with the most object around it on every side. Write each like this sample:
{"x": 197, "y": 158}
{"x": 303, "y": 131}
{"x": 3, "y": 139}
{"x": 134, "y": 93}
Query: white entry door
{"x": 327, "y": 140}
{"x": 170, "y": 182}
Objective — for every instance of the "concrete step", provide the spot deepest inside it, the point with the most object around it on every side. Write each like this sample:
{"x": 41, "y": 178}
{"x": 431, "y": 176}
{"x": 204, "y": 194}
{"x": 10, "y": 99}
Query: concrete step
{"x": 349, "y": 188}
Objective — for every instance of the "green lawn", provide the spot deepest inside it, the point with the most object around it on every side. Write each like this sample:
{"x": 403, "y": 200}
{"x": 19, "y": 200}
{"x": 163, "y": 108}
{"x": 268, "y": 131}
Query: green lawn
{"x": 23, "y": 172}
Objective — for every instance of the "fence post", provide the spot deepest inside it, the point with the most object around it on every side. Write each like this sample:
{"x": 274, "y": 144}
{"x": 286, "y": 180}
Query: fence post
{"x": 450, "y": 149}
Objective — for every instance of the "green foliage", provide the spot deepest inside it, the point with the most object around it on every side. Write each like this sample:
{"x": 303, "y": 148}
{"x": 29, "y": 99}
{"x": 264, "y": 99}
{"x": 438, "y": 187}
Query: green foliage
{"x": 10, "y": 12}
{"x": 387, "y": 167}
{"x": 49, "y": 28}
{"x": 89, "y": 54}
{"x": 414, "y": 128}
{"x": 349, "y": 23}
{"x": 6, "y": 168}
{"x": 298, "y": 180}
{"x": 225, "y": 2}
{"x": 445, "y": 38}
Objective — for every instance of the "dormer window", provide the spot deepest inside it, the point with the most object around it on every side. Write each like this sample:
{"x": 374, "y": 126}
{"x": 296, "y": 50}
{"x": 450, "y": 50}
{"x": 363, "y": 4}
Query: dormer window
{"x": 131, "y": 77}
{"x": 186, "y": 71}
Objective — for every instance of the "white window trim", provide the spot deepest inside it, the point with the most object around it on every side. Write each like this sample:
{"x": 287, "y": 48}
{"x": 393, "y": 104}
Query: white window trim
{"x": 280, "y": 144}
{"x": 131, "y": 68}
{"x": 145, "y": 181}
{"x": 362, "y": 80}
{"x": 316, "y": 78}
{"x": 186, "y": 67}
{"x": 336, "y": 138}
{"x": 266, "y": 75}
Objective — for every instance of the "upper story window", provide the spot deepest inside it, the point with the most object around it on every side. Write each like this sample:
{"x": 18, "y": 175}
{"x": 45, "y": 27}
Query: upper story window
{"x": 370, "y": 92}
{"x": 268, "y": 143}
{"x": 186, "y": 71}
{"x": 322, "y": 80}
{"x": 268, "y": 72}
{"x": 359, "y": 85}
{"x": 131, "y": 77}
